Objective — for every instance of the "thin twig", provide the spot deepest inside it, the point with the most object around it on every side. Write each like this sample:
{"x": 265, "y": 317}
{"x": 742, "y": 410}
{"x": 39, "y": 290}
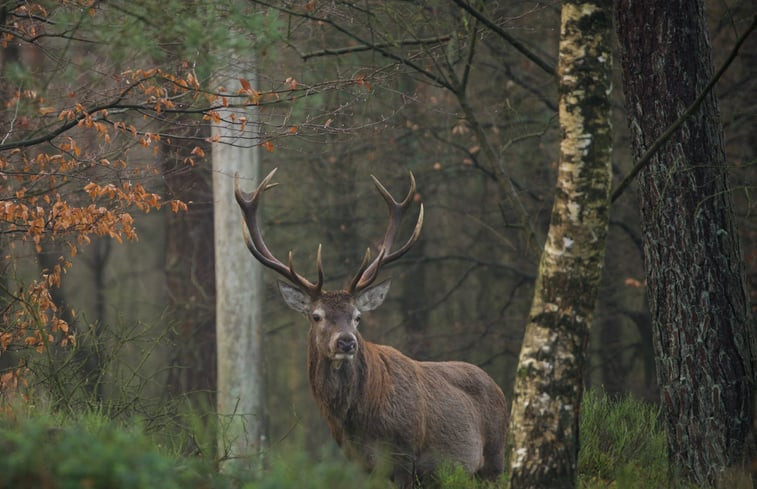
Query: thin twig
{"x": 376, "y": 47}
{"x": 12, "y": 121}
{"x": 507, "y": 37}
{"x": 366, "y": 47}
{"x": 469, "y": 60}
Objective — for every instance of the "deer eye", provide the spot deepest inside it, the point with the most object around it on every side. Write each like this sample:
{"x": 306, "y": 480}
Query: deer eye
{"x": 357, "y": 319}
{"x": 317, "y": 317}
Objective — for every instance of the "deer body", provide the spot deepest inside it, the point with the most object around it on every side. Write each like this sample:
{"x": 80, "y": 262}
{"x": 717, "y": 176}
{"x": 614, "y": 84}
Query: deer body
{"x": 386, "y": 410}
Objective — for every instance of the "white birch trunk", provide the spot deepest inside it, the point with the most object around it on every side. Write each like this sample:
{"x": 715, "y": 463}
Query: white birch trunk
{"x": 549, "y": 381}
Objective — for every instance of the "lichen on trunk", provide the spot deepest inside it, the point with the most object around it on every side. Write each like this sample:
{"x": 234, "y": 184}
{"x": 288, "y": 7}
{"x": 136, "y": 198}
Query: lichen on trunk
{"x": 239, "y": 295}
{"x": 703, "y": 335}
{"x": 548, "y": 385}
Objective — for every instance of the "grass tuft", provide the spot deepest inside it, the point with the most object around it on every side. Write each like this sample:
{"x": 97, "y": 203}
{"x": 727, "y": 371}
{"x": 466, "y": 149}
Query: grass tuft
{"x": 622, "y": 443}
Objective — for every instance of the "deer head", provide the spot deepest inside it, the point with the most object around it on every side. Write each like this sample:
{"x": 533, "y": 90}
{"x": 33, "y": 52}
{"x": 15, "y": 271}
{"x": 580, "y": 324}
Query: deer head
{"x": 333, "y": 315}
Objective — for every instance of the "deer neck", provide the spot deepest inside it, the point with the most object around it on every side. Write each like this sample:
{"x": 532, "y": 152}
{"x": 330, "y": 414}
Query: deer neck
{"x": 338, "y": 386}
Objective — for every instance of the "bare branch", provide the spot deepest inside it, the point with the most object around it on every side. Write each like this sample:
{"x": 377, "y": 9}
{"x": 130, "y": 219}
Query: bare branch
{"x": 507, "y": 37}
{"x": 506, "y": 183}
{"x": 379, "y": 48}
{"x": 469, "y": 60}
{"x": 358, "y": 49}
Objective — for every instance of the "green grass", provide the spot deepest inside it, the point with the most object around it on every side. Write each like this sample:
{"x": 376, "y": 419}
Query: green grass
{"x": 622, "y": 443}
{"x": 457, "y": 478}
{"x": 623, "y": 446}
{"x": 295, "y": 469}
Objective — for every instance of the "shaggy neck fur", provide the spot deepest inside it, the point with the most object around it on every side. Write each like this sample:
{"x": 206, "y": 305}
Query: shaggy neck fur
{"x": 341, "y": 394}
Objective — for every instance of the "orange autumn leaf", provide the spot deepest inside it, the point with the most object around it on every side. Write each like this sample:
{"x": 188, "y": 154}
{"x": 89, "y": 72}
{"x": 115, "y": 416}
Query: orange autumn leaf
{"x": 292, "y": 83}
{"x": 632, "y": 282}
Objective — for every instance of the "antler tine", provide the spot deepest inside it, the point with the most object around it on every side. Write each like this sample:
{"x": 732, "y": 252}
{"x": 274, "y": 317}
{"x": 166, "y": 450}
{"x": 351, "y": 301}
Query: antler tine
{"x": 396, "y": 209}
{"x": 313, "y": 289}
{"x": 410, "y": 242}
{"x": 360, "y": 270}
{"x": 249, "y": 203}
{"x": 368, "y": 272}
{"x": 319, "y": 284}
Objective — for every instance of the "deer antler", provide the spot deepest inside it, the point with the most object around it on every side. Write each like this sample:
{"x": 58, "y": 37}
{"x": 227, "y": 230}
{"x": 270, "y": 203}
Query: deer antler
{"x": 367, "y": 273}
{"x": 249, "y": 202}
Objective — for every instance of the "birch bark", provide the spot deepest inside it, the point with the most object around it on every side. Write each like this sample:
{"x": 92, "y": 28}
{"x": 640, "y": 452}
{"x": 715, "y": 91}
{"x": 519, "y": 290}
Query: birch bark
{"x": 549, "y": 381}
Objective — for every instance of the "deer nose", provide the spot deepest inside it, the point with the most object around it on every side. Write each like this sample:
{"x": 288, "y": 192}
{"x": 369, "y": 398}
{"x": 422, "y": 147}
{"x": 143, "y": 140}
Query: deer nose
{"x": 346, "y": 344}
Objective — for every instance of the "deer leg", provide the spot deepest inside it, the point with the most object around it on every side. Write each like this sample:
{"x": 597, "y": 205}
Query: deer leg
{"x": 404, "y": 475}
{"x": 494, "y": 459}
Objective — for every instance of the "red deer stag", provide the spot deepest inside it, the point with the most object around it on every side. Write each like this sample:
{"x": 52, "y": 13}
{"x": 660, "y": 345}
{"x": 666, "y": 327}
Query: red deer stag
{"x": 383, "y": 408}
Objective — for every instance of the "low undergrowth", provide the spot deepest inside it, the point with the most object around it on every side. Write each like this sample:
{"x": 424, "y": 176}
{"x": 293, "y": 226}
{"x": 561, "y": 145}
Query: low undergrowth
{"x": 622, "y": 446}
{"x": 622, "y": 443}
{"x": 92, "y": 452}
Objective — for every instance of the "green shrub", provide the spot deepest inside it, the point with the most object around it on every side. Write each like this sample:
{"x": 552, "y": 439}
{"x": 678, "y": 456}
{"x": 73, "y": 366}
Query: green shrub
{"x": 622, "y": 440}
{"x": 622, "y": 446}
{"x": 91, "y": 453}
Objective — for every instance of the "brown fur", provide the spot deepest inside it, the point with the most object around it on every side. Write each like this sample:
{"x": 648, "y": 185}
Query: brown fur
{"x": 388, "y": 411}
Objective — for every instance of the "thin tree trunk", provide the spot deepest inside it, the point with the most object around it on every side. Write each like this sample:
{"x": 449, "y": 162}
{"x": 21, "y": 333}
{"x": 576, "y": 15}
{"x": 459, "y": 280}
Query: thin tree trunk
{"x": 93, "y": 361}
{"x": 190, "y": 276}
{"x": 703, "y": 334}
{"x": 239, "y": 331}
{"x": 549, "y": 382}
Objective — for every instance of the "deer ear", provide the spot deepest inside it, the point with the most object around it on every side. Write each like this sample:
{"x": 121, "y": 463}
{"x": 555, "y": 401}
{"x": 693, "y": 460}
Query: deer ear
{"x": 294, "y": 297}
{"x": 372, "y": 297}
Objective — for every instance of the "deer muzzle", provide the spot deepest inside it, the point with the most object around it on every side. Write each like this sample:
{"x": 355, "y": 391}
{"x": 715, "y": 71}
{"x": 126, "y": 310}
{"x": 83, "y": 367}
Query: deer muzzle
{"x": 346, "y": 346}
{"x": 343, "y": 348}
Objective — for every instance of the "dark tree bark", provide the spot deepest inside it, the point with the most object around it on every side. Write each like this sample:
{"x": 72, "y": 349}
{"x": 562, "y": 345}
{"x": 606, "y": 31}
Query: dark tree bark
{"x": 190, "y": 274}
{"x": 703, "y": 334}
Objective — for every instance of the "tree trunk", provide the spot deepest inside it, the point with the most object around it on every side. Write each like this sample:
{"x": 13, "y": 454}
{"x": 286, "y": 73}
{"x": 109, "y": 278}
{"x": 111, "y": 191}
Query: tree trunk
{"x": 190, "y": 276}
{"x": 549, "y": 382}
{"x": 703, "y": 335}
{"x": 239, "y": 331}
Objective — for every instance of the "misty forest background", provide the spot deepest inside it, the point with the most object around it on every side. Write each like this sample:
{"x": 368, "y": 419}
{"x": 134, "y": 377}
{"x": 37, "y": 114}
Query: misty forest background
{"x": 327, "y": 113}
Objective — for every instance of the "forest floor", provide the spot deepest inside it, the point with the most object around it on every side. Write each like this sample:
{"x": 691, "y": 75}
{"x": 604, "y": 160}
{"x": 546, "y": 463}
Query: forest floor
{"x": 622, "y": 446}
